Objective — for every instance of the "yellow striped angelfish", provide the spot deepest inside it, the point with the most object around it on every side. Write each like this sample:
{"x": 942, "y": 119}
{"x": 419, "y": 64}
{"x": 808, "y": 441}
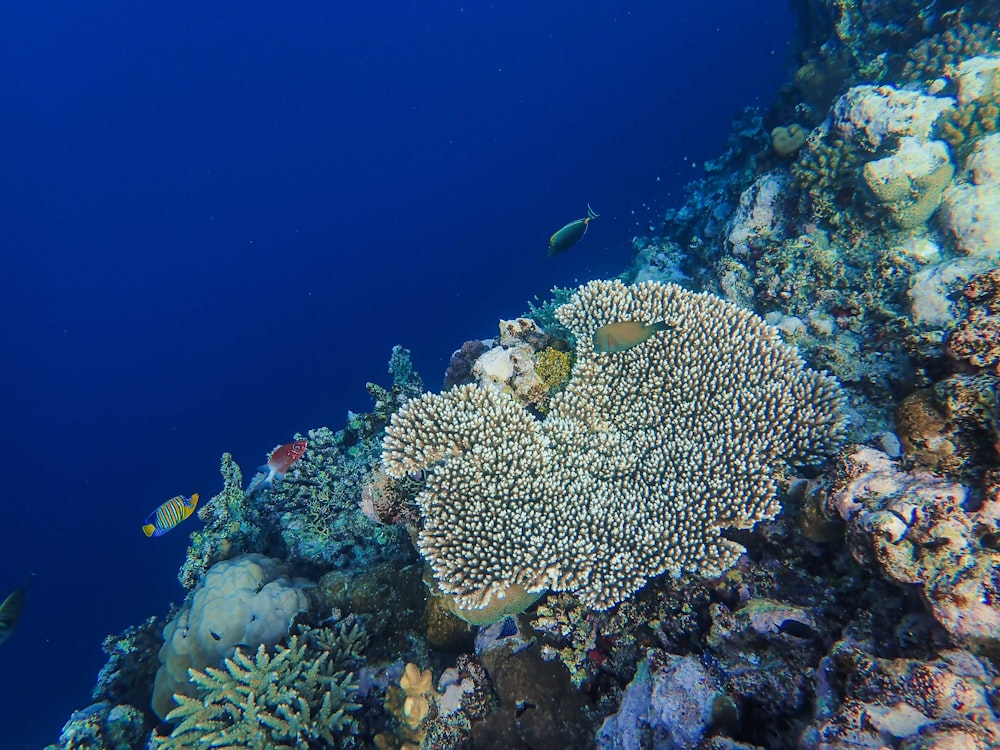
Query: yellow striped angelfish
{"x": 168, "y": 515}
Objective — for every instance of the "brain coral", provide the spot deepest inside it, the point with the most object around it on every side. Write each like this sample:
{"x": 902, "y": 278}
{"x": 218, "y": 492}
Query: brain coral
{"x": 245, "y": 601}
{"x": 643, "y": 459}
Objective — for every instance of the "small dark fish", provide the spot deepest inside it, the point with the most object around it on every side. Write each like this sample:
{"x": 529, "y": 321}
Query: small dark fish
{"x": 570, "y": 234}
{"x": 281, "y": 459}
{"x": 10, "y": 612}
{"x": 619, "y": 337}
{"x": 796, "y": 629}
{"x": 169, "y": 514}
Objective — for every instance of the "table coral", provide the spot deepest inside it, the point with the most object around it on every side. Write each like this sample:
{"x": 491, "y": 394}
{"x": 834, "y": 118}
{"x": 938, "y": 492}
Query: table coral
{"x": 673, "y": 440}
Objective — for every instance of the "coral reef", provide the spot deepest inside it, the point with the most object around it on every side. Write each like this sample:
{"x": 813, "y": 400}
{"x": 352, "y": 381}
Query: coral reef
{"x": 969, "y": 204}
{"x": 641, "y": 446}
{"x": 459, "y": 370}
{"x": 525, "y": 361}
{"x": 866, "y": 701}
{"x": 104, "y": 726}
{"x": 312, "y": 518}
{"x": 857, "y": 217}
{"x": 229, "y": 529}
{"x": 918, "y": 529}
{"x": 369, "y": 594}
{"x": 247, "y": 601}
{"x": 320, "y": 521}
{"x": 909, "y": 183}
{"x": 976, "y": 339}
{"x": 538, "y": 705}
{"x": 672, "y": 702}
{"x": 295, "y": 698}
{"x": 786, "y": 140}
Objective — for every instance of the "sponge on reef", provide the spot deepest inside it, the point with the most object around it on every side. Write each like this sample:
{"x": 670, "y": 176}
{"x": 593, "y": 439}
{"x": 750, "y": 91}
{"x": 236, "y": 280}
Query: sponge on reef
{"x": 245, "y": 601}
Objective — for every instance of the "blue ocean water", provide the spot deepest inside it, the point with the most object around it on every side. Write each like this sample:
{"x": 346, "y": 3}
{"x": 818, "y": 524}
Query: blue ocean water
{"x": 218, "y": 220}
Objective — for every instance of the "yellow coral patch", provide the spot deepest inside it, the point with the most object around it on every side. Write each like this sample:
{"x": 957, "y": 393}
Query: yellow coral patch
{"x": 553, "y": 367}
{"x": 786, "y": 140}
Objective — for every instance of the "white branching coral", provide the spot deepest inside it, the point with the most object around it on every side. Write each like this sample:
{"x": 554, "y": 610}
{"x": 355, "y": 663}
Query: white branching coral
{"x": 641, "y": 463}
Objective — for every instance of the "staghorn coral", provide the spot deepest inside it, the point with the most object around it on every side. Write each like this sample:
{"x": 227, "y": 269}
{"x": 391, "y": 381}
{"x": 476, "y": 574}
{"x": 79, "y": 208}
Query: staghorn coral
{"x": 299, "y": 696}
{"x": 642, "y": 461}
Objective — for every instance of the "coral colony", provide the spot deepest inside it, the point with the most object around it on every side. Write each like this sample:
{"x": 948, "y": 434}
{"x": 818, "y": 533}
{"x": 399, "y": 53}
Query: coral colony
{"x": 760, "y": 510}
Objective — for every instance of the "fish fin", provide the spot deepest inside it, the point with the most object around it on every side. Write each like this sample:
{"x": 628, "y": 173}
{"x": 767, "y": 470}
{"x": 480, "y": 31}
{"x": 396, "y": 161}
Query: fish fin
{"x": 194, "y": 500}
{"x": 591, "y": 213}
{"x": 148, "y": 529}
{"x": 257, "y": 482}
{"x": 266, "y": 483}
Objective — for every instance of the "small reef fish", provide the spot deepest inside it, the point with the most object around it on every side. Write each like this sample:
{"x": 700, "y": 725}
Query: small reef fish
{"x": 570, "y": 234}
{"x": 168, "y": 515}
{"x": 10, "y": 612}
{"x": 619, "y": 337}
{"x": 279, "y": 462}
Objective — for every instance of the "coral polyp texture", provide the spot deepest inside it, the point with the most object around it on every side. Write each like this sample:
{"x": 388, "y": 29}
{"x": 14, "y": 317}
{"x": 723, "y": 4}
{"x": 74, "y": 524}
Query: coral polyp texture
{"x": 643, "y": 460}
{"x": 299, "y": 697}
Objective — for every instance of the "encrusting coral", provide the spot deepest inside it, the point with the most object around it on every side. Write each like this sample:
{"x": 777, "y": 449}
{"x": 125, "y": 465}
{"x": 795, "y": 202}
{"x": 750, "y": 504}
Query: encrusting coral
{"x": 299, "y": 696}
{"x": 644, "y": 458}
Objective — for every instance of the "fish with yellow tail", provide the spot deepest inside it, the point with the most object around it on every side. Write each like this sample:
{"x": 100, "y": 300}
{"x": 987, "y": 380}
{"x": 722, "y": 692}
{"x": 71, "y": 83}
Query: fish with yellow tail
{"x": 169, "y": 514}
{"x": 620, "y": 337}
{"x": 10, "y": 612}
{"x": 570, "y": 234}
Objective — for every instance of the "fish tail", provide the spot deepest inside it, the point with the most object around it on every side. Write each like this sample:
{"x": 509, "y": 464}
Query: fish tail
{"x": 660, "y": 325}
{"x": 591, "y": 213}
{"x": 258, "y": 484}
{"x": 148, "y": 529}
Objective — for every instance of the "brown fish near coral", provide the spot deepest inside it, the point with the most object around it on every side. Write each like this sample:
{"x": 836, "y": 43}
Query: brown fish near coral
{"x": 619, "y": 337}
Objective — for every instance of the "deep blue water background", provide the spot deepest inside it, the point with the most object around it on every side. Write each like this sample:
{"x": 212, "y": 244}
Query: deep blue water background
{"x": 217, "y": 219}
